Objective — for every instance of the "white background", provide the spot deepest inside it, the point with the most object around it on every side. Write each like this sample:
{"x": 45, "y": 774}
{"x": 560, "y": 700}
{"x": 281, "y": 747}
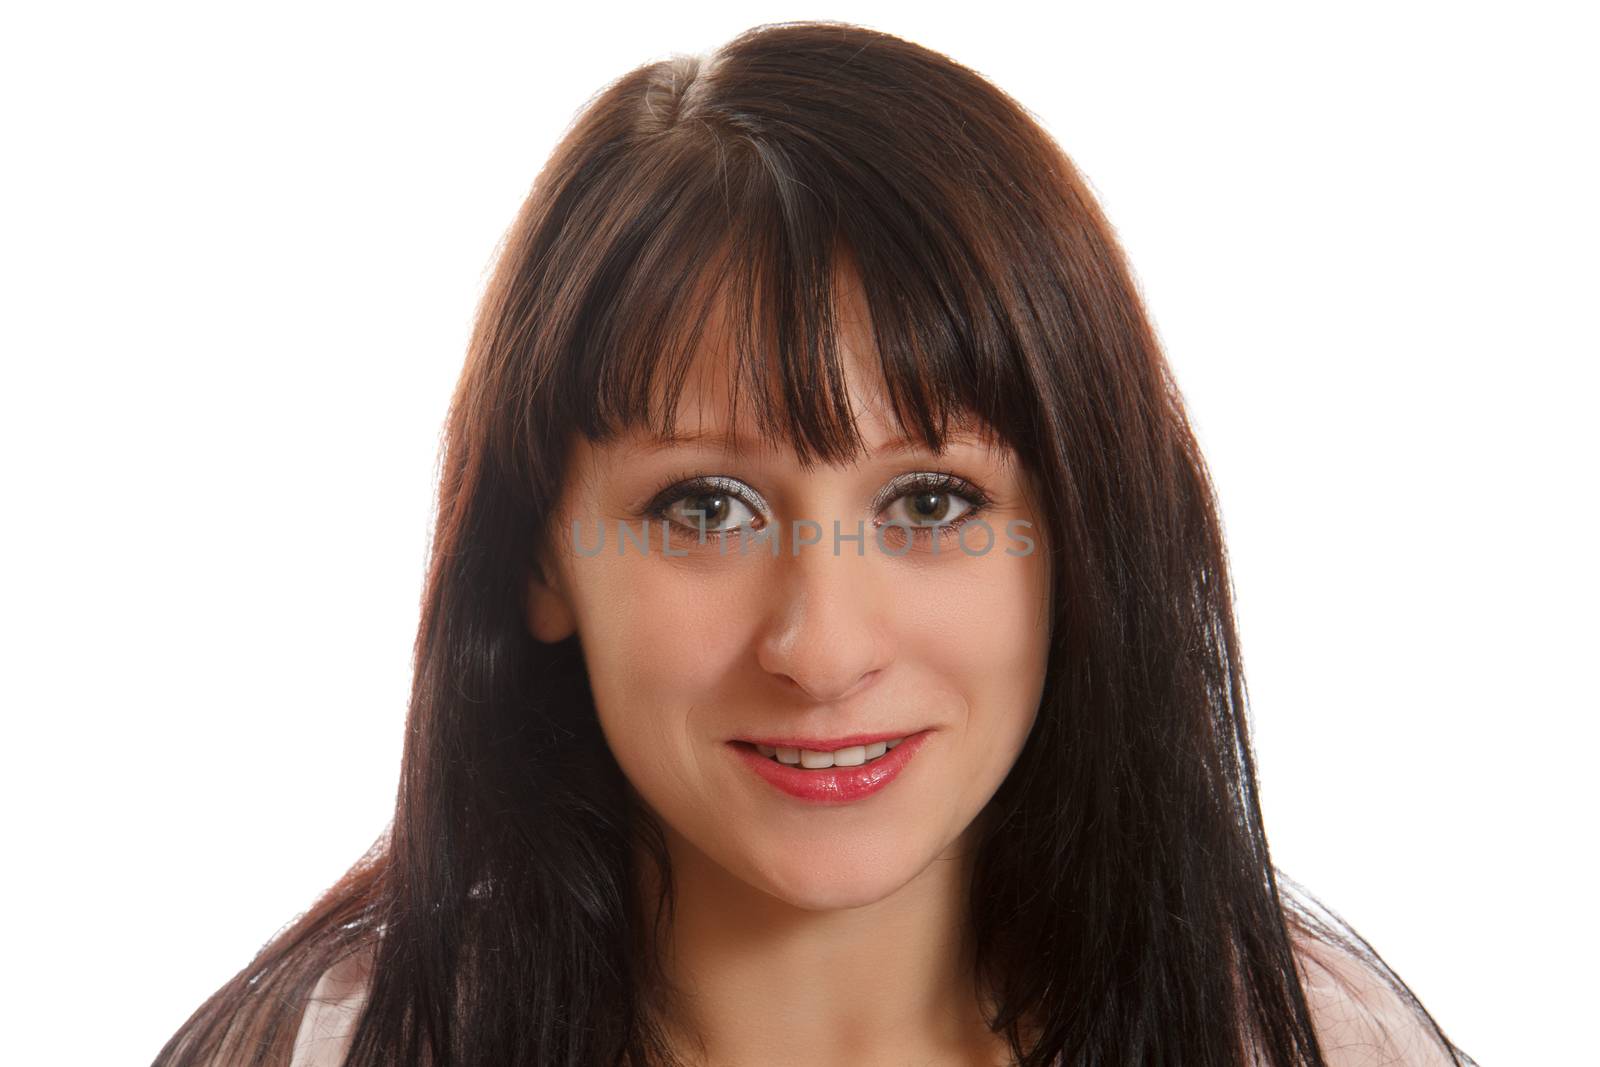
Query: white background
{"x": 240, "y": 254}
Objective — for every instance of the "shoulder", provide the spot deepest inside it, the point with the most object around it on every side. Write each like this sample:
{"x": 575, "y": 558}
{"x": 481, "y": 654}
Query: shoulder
{"x": 331, "y": 1013}
{"x": 1361, "y": 1021}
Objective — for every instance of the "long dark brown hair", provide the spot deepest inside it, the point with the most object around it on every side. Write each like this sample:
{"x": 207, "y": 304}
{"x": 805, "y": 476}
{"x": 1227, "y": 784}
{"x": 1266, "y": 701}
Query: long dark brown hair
{"x": 1124, "y": 904}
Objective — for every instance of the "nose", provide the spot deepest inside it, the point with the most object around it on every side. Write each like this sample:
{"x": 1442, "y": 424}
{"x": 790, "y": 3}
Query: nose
{"x": 827, "y": 637}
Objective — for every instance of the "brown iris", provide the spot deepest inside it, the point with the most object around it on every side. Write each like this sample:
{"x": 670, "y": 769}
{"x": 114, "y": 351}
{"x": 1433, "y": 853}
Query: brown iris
{"x": 930, "y": 507}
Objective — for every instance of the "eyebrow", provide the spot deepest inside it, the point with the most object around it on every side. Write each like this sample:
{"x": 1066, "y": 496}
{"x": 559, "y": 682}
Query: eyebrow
{"x": 741, "y": 443}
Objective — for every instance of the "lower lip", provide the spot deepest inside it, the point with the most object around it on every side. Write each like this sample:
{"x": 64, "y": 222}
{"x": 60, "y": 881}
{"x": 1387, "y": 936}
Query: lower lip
{"x": 838, "y": 785}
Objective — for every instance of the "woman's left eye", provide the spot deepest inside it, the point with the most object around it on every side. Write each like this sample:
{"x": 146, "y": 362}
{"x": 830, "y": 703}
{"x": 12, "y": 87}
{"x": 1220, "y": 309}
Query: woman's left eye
{"x": 930, "y": 504}
{"x": 930, "y": 507}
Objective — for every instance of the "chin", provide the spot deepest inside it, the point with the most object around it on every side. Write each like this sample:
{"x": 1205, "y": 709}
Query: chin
{"x": 837, "y": 895}
{"x": 831, "y": 884}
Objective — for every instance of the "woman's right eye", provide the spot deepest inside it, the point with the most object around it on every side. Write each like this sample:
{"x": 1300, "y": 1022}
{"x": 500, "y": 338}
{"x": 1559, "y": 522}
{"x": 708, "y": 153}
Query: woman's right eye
{"x": 708, "y": 510}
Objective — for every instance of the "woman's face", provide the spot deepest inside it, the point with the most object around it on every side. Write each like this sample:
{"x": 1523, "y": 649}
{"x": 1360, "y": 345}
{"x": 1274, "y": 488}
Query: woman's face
{"x": 695, "y": 645}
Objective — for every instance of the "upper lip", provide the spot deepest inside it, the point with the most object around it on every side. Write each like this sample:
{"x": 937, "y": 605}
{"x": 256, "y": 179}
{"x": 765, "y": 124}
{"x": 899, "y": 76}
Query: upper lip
{"x": 826, "y": 744}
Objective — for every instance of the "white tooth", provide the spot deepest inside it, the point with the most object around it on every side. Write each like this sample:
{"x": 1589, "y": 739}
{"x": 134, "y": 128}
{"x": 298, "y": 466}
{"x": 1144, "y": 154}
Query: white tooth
{"x": 876, "y": 749}
{"x": 788, "y": 755}
{"x": 895, "y": 742}
{"x": 854, "y": 756}
{"x": 815, "y": 760}
{"x": 766, "y": 750}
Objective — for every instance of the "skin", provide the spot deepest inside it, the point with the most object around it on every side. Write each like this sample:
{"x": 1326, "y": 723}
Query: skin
{"x": 804, "y": 933}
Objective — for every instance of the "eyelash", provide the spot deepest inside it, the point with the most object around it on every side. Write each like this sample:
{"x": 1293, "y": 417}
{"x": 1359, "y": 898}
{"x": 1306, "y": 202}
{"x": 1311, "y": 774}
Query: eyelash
{"x": 689, "y": 484}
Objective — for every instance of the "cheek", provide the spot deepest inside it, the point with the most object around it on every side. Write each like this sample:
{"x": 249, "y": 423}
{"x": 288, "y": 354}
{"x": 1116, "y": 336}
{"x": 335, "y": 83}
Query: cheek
{"x": 658, "y": 641}
{"x": 988, "y": 640}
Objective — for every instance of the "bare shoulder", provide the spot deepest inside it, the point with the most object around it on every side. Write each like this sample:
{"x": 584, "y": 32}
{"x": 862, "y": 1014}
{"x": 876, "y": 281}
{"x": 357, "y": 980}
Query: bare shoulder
{"x": 335, "y": 1004}
{"x": 1361, "y": 1021}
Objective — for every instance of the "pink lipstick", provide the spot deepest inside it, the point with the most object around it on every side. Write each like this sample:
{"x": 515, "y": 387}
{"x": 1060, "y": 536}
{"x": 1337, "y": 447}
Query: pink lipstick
{"x": 832, "y": 785}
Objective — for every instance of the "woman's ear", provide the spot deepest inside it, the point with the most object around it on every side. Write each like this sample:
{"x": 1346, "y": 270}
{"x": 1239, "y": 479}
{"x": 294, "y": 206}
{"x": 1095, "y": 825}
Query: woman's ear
{"x": 549, "y": 612}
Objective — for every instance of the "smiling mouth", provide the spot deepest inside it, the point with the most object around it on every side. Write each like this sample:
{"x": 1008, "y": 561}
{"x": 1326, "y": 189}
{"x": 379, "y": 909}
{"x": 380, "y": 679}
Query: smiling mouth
{"x": 842, "y": 776}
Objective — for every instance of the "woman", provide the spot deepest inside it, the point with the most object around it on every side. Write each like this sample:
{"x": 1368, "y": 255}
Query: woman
{"x": 827, "y": 653}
